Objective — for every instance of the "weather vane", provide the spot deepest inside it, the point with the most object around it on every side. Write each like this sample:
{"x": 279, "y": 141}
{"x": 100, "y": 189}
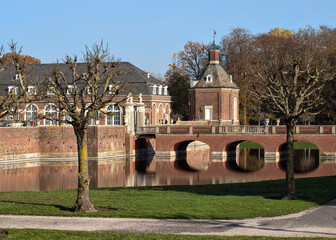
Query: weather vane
{"x": 214, "y": 35}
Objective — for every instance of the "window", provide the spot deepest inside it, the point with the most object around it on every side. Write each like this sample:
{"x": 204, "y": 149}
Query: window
{"x": 93, "y": 121}
{"x": 51, "y": 113}
{"x": 208, "y": 78}
{"x": 208, "y": 112}
{"x": 71, "y": 89}
{"x": 13, "y": 115}
{"x": 32, "y": 90}
{"x": 12, "y": 90}
{"x": 67, "y": 118}
{"x": 113, "y": 115}
{"x": 112, "y": 89}
{"x": 154, "y": 89}
{"x": 51, "y": 91}
{"x": 160, "y": 90}
{"x": 165, "y": 90}
{"x": 31, "y": 115}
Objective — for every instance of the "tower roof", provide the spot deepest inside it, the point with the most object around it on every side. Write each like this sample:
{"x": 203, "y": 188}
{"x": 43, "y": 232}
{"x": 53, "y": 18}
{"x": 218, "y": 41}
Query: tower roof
{"x": 214, "y": 74}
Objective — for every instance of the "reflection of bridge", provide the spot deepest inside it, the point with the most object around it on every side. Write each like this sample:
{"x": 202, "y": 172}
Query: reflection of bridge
{"x": 222, "y": 140}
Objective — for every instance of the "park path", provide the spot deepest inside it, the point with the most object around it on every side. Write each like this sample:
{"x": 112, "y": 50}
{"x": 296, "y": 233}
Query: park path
{"x": 316, "y": 222}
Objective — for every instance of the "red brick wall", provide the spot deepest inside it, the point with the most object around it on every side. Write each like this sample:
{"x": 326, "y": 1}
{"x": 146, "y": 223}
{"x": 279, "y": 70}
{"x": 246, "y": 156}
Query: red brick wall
{"x": 45, "y": 158}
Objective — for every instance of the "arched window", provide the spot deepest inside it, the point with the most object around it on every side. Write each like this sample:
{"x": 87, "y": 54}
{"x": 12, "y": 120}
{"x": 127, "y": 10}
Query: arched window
{"x": 113, "y": 115}
{"x": 208, "y": 78}
{"x": 50, "y": 112}
{"x": 31, "y": 115}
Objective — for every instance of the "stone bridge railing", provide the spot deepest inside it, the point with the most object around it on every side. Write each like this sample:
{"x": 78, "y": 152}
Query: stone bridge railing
{"x": 240, "y": 129}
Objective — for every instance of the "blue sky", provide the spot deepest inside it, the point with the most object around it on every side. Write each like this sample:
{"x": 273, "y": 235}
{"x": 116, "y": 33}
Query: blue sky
{"x": 146, "y": 33}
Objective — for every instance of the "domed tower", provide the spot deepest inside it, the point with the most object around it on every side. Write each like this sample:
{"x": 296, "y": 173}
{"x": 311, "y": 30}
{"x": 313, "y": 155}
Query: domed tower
{"x": 214, "y": 96}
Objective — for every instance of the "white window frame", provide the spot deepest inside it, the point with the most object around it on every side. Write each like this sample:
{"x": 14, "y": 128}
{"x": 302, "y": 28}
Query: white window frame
{"x": 32, "y": 90}
{"x": 50, "y": 92}
{"x": 154, "y": 89}
{"x": 110, "y": 88}
{"x": 70, "y": 89}
{"x": 113, "y": 120}
{"x": 208, "y": 78}
{"x": 10, "y": 88}
{"x": 33, "y": 114}
{"x": 206, "y": 109}
{"x": 165, "y": 90}
{"x": 53, "y": 111}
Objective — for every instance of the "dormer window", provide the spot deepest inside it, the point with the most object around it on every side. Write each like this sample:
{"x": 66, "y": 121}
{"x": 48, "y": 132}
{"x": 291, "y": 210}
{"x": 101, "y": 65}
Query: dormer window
{"x": 112, "y": 89}
{"x": 12, "y": 90}
{"x": 154, "y": 89}
{"x": 160, "y": 90}
{"x": 165, "y": 90}
{"x": 208, "y": 78}
{"x": 32, "y": 90}
{"x": 71, "y": 89}
{"x": 51, "y": 91}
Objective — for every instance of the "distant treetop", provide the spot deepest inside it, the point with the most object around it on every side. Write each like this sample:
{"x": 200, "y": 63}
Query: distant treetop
{"x": 8, "y": 58}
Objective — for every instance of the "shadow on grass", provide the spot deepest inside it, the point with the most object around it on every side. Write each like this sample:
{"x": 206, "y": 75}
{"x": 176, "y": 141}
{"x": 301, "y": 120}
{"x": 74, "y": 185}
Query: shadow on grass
{"x": 62, "y": 208}
{"x": 319, "y": 190}
{"x": 3, "y": 234}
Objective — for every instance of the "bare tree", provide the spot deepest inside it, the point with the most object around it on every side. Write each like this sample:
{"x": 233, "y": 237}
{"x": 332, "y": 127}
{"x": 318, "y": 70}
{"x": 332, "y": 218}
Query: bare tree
{"x": 21, "y": 87}
{"x": 193, "y": 59}
{"x": 82, "y": 94}
{"x": 290, "y": 73}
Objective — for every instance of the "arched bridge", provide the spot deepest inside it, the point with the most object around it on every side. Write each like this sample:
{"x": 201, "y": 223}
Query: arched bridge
{"x": 170, "y": 140}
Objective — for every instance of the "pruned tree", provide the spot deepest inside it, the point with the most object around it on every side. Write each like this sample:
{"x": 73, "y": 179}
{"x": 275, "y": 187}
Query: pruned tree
{"x": 21, "y": 87}
{"x": 83, "y": 93}
{"x": 193, "y": 59}
{"x": 290, "y": 73}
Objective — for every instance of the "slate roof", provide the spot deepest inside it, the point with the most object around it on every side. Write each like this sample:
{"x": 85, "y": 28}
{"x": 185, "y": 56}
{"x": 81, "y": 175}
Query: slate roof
{"x": 137, "y": 80}
{"x": 220, "y": 79}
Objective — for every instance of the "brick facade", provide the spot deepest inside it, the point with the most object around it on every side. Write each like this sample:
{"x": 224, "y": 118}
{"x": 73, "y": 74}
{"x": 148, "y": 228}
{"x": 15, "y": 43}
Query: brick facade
{"x": 215, "y": 97}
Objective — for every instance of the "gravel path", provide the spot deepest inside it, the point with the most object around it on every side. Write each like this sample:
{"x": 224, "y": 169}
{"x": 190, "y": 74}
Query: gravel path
{"x": 317, "y": 222}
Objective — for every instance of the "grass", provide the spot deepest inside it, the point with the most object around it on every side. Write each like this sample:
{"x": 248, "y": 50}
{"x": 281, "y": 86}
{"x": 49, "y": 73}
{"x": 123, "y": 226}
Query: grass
{"x": 297, "y": 145}
{"x": 73, "y": 235}
{"x": 225, "y": 201}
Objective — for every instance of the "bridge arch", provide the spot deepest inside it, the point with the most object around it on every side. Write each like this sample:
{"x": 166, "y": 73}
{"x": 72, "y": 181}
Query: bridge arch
{"x": 244, "y": 155}
{"x": 191, "y": 155}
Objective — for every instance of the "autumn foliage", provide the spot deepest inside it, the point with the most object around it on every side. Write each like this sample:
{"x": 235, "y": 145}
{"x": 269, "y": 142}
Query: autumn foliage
{"x": 23, "y": 59}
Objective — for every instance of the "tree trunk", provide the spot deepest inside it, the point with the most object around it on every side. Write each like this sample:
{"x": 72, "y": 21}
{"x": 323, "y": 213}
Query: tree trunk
{"x": 291, "y": 193}
{"x": 83, "y": 203}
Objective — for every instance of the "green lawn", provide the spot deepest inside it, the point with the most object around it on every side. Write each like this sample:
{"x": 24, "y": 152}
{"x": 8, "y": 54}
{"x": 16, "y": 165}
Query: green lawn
{"x": 297, "y": 145}
{"x": 224, "y": 201}
{"x": 53, "y": 234}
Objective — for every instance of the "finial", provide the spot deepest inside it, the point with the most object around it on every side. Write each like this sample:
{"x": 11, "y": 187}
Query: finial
{"x": 214, "y": 35}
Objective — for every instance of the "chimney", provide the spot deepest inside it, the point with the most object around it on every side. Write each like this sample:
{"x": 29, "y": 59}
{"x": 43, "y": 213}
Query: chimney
{"x": 214, "y": 56}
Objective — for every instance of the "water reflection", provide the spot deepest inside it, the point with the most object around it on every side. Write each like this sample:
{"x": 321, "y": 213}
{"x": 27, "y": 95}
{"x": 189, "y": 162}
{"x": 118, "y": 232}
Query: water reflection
{"x": 305, "y": 160}
{"x": 250, "y": 159}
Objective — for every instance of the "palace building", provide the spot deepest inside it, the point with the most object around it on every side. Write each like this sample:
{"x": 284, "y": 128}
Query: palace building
{"x": 146, "y": 90}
